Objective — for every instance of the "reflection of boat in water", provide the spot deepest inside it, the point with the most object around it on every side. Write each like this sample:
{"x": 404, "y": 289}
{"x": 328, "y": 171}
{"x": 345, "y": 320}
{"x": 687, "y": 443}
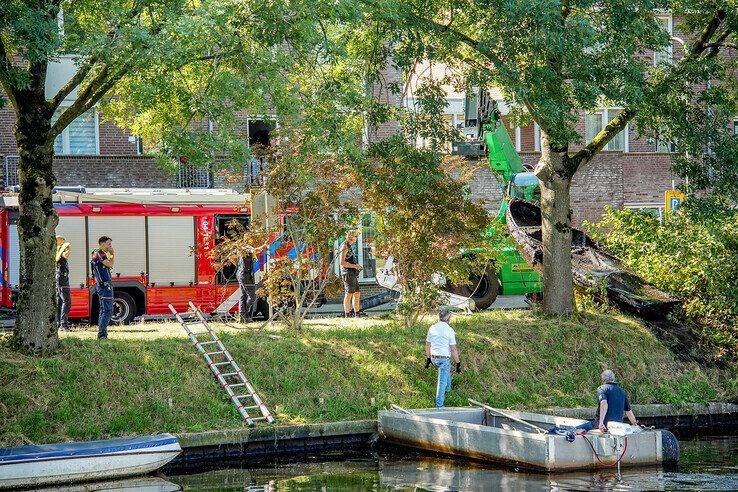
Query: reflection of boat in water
{"x": 444, "y": 474}
{"x": 135, "y": 484}
{"x": 520, "y": 439}
{"x": 71, "y": 462}
{"x": 591, "y": 266}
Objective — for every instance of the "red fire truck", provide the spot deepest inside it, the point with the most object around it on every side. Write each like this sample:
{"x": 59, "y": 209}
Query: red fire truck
{"x": 162, "y": 241}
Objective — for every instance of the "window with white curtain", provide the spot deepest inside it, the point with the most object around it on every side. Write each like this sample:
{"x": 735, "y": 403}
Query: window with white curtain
{"x": 80, "y": 136}
{"x": 595, "y": 122}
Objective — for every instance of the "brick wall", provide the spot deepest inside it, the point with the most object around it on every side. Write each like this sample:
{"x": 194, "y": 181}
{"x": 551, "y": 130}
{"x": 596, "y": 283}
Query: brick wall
{"x": 382, "y": 93}
{"x": 112, "y": 172}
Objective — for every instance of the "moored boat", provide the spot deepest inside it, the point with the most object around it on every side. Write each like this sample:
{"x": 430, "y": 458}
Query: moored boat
{"x": 520, "y": 439}
{"x": 30, "y": 466}
{"x": 592, "y": 266}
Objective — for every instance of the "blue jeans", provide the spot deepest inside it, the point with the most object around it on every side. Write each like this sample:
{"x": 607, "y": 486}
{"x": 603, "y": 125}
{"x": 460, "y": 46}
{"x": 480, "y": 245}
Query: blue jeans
{"x": 106, "y": 309}
{"x": 444, "y": 379}
{"x": 587, "y": 426}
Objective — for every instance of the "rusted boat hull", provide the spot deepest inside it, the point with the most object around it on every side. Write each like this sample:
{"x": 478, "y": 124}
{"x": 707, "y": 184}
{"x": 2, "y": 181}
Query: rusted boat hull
{"x": 592, "y": 266}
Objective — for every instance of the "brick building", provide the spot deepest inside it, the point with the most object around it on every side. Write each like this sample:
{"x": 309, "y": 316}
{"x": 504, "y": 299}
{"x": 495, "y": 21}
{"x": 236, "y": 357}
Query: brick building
{"x": 632, "y": 171}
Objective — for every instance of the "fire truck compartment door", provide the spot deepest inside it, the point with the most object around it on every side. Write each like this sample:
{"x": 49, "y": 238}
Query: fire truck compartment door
{"x": 73, "y": 230}
{"x": 171, "y": 242}
{"x": 129, "y": 238}
{"x": 13, "y": 256}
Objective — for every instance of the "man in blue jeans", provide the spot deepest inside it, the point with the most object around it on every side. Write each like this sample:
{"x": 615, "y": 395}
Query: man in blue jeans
{"x": 440, "y": 346}
{"x": 102, "y": 262}
{"x": 612, "y": 404}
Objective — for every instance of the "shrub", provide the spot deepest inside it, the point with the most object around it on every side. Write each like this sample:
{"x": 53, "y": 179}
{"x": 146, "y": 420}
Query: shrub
{"x": 693, "y": 255}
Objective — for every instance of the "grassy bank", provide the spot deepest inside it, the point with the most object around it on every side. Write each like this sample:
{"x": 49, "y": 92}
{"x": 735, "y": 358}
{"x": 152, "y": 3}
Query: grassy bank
{"x": 148, "y": 378}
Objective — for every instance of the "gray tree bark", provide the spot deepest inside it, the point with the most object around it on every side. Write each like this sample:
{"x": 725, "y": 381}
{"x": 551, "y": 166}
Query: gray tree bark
{"x": 554, "y": 172}
{"x": 36, "y": 329}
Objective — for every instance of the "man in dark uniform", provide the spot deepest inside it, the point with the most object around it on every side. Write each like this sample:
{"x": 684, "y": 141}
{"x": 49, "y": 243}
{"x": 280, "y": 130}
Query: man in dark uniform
{"x": 246, "y": 282}
{"x": 63, "y": 293}
{"x": 350, "y": 269}
{"x": 102, "y": 262}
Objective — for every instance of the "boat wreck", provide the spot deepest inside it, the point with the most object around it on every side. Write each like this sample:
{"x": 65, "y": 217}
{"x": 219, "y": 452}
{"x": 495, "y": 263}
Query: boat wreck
{"x": 521, "y": 439}
{"x": 592, "y": 266}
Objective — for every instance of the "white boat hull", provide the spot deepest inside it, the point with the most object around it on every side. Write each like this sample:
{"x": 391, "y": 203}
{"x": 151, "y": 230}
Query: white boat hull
{"x": 34, "y": 473}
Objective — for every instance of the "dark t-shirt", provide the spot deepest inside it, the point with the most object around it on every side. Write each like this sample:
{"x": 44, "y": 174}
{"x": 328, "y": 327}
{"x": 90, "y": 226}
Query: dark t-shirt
{"x": 62, "y": 272}
{"x": 99, "y": 270}
{"x": 350, "y": 258}
{"x": 245, "y": 270}
{"x": 617, "y": 402}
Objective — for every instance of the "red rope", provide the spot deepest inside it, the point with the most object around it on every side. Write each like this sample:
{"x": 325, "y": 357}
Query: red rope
{"x": 625, "y": 448}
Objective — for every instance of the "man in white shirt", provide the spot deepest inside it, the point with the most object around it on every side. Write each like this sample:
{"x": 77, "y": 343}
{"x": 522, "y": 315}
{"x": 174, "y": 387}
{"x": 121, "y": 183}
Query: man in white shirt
{"x": 440, "y": 346}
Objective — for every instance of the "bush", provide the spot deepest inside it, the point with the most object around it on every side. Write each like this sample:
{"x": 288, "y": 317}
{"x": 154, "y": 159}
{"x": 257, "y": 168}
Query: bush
{"x": 693, "y": 255}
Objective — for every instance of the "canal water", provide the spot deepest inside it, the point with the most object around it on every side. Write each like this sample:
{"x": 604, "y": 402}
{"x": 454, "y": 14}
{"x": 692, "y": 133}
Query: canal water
{"x": 707, "y": 463}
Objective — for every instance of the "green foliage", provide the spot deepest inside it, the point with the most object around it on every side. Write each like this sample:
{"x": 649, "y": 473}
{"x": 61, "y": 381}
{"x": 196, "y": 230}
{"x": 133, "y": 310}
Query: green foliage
{"x": 150, "y": 379}
{"x": 426, "y": 222}
{"x": 693, "y": 255}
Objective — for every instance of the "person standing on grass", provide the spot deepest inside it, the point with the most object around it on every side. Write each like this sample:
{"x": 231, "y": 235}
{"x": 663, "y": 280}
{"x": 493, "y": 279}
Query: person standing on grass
{"x": 440, "y": 346}
{"x": 350, "y": 275}
{"x": 63, "y": 293}
{"x": 102, "y": 262}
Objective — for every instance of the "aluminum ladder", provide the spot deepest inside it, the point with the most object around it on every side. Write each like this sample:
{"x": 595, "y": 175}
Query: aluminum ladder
{"x": 221, "y": 357}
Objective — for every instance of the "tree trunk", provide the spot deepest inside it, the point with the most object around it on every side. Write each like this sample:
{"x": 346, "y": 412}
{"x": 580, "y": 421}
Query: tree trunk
{"x": 36, "y": 328}
{"x": 552, "y": 170}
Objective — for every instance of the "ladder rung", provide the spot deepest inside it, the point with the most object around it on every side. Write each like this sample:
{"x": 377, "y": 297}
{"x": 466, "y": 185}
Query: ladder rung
{"x": 244, "y": 396}
{"x": 196, "y": 333}
{"x": 208, "y": 343}
{"x": 235, "y": 385}
{"x": 230, "y": 374}
{"x": 215, "y": 353}
{"x": 221, "y": 363}
{"x": 250, "y": 408}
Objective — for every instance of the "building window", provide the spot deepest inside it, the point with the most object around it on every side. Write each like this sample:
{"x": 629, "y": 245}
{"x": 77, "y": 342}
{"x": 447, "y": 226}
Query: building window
{"x": 595, "y": 122}
{"x": 665, "y": 55}
{"x": 80, "y": 136}
{"x": 666, "y": 147}
{"x": 735, "y": 126}
{"x": 536, "y": 137}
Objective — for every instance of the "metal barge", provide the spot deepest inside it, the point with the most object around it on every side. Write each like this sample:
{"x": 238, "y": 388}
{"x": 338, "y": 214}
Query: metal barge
{"x": 521, "y": 439}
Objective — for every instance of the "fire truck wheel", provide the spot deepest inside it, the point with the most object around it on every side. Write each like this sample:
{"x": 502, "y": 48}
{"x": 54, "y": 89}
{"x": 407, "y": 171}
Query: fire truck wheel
{"x": 124, "y": 308}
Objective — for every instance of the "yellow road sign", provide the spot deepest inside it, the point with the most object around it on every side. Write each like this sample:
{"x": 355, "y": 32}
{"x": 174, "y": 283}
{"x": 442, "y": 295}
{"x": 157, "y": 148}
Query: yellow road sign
{"x": 673, "y": 200}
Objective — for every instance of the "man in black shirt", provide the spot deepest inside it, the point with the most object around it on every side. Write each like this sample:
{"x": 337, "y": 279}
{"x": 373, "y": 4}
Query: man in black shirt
{"x": 246, "y": 282}
{"x": 63, "y": 294}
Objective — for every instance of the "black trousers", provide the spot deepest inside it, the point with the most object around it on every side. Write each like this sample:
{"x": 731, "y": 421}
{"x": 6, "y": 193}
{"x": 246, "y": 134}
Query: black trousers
{"x": 247, "y": 300}
{"x": 63, "y": 305}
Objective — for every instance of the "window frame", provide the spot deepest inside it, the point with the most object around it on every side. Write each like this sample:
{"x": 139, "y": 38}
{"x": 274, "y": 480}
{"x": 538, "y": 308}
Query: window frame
{"x": 669, "y": 51}
{"x": 604, "y": 120}
{"x": 65, "y": 133}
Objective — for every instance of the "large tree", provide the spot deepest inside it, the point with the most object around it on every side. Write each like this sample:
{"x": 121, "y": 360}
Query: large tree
{"x": 555, "y": 60}
{"x": 158, "y": 66}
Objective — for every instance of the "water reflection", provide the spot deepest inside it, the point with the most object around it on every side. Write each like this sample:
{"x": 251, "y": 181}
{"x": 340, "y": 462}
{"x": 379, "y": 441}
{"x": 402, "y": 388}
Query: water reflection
{"x": 710, "y": 464}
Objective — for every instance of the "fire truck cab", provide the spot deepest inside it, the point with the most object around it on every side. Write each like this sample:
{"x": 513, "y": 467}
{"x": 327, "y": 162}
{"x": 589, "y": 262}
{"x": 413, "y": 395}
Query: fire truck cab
{"x": 162, "y": 241}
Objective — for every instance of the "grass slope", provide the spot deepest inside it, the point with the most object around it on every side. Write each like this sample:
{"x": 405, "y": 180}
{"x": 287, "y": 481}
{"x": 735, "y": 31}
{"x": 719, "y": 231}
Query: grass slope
{"x": 148, "y": 378}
